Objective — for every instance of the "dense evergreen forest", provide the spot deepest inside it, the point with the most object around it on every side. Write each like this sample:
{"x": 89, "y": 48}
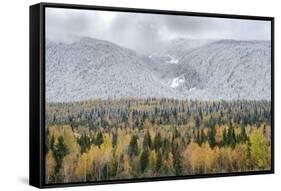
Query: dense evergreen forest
{"x": 135, "y": 138}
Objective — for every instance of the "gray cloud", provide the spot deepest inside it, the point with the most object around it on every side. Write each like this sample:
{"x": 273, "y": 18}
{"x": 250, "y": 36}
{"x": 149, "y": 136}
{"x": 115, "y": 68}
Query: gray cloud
{"x": 145, "y": 32}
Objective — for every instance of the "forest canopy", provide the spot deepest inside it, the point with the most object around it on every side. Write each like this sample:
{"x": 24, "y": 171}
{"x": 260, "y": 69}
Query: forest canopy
{"x": 135, "y": 138}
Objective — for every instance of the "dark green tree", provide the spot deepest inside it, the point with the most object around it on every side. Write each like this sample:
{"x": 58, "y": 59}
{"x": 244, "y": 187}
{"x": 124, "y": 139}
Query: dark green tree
{"x": 144, "y": 160}
{"x": 197, "y": 137}
{"x": 99, "y": 139}
{"x": 114, "y": 139}
{"x": 197, "y": 121}
{"x": 212, "y": 136}
{"x": 60, "y": 151}
{"x": 47, "y": 145}
{"x": 166, "y": 146}
{"x": 225, "y": 138}
{"x": 243, "y": 138}
{"x": 200, "y": 137}
{"x": 177, "y": 163}
{"x": 157, "y": 141}
{"x": 147, "y": 143}
{"x": 231, "y": 136}
{"x": 52, "y": 142}
{"x": 133, "y": 146}
{"x": 158, "y": 161}
{"x": 84, "y": 142}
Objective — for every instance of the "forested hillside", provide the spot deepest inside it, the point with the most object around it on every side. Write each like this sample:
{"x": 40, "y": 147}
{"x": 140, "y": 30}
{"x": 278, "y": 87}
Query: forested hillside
{"x": 185, "y": 69}
{"x": 134, "y": 138}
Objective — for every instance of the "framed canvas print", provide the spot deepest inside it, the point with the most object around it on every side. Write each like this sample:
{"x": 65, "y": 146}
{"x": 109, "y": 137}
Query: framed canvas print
{"x": 122, "y": 95}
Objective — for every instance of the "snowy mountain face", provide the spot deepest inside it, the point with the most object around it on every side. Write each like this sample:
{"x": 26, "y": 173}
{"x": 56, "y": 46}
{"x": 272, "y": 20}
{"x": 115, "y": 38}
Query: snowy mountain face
{"x": 91, "y": 68}
{"x": 232, "y": 70}
{"x": 184, "y": 69}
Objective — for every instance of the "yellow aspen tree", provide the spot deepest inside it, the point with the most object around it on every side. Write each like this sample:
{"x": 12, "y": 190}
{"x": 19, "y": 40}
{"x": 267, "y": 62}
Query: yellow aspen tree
{"x": 106, "y": 149}
{"x": 241, "y": 157}
{"x": 168, "y": 164}
{"x": 152, "y": 161}
{"x": 68, "y": 167}
{"x": 127, "y": 169}
{"x": 81, "y": 169}
{"x": 260, "y": 152}
{"x": 70, "y": 140}
{"x": 191, "y": 158}
{"x": 95, "y": 161}
{"x": 208, "y": 157}
{"x": 50, "y": 166}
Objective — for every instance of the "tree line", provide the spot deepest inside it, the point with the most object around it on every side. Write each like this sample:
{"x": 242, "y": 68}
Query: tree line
{"x": 134, "y": 138}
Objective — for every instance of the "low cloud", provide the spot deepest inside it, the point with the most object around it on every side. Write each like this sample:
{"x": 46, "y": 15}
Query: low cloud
{"x": 146, "y": 32}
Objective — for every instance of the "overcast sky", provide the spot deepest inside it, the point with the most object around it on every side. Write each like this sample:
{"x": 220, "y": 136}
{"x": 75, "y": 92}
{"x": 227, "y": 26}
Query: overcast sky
{"x": 145, "y": 31}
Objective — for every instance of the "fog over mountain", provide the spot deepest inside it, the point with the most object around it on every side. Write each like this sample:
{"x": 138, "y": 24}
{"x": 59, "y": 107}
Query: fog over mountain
{"x": 183, "y": 69}
{"x": 146, "y": 33}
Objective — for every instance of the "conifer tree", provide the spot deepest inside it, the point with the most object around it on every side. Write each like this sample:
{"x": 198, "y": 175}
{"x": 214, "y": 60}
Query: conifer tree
{"x": 212, "y": 136}
{"x": 99, "y": 139}
{"x": 158, "y": 161}
{"x": 60, "y": 151}
{"x": 144, "y": 160}
{"x": 243, "y": 136}
{"x": 147, "y": 143}
{"x": 157, "y": 141}
{"x": 133, "y": 146}
{"x": 177, "y": 163}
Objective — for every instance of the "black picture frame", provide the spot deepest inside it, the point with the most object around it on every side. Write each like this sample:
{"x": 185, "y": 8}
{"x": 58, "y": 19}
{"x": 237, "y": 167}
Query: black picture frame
{"x": 37, "y": 93}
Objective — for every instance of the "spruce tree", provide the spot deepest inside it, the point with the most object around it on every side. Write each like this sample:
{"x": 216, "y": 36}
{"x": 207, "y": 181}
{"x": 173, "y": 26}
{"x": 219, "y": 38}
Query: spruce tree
{"x": 157, "y": 141}
{"x": 177, "y": 163}
{"x": 225, "y": 138}
{"x": 47, "y": 145}
{"x": 144, "y": 160}
{"x": 243, "y": 136}
{"x": 231, "y": 136}
{"x": 147, "y": 143}
{"x": 133, "y": 146}
{"x": 158, "y": 161}
{"x": 84, "y": 142}
{"x": 99, "y": 139}
{"x": 60, "y": 151}
{"x": 114, "y": 139}
{"x": 212, "y": 136}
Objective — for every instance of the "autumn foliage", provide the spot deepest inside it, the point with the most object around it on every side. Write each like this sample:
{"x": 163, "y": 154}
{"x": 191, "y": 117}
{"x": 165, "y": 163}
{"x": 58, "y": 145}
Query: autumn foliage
{"x": 134, "y": 138}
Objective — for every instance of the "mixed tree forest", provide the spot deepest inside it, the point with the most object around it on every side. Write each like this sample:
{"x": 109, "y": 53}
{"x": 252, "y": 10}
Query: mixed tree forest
{"x": 135, "y": 138}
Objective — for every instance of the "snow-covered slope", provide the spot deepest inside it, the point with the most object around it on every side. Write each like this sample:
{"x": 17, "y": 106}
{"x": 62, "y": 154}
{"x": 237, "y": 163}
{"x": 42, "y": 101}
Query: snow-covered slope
{"x": 90, "y": 68}
{"x": 231, "y": 70}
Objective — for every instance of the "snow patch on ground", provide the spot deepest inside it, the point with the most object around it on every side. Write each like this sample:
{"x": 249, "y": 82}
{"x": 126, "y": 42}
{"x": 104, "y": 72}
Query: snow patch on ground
{"x": 192, "y": 89}
{"x": 176, "y": 82}
{"x": 172, "y": 60}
